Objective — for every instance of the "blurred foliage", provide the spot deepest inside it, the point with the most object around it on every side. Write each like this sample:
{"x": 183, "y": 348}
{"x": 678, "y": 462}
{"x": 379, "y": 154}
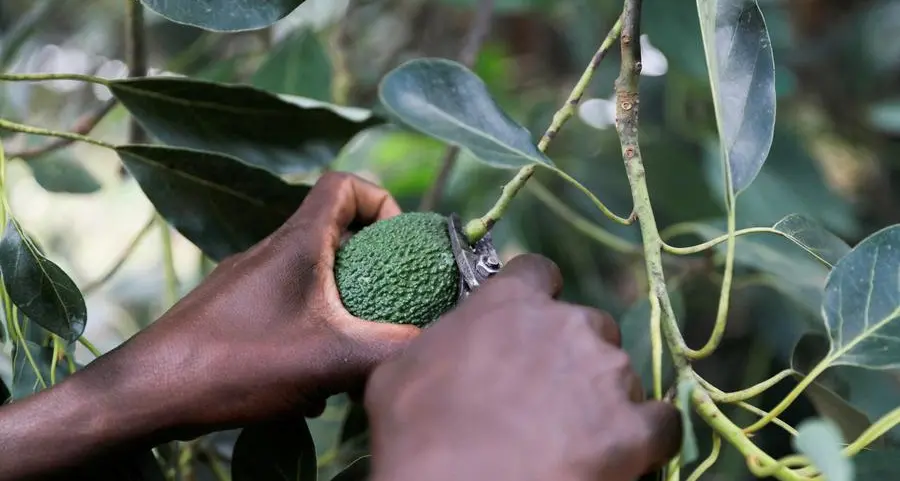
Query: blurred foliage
{"x": 250, "y": 124}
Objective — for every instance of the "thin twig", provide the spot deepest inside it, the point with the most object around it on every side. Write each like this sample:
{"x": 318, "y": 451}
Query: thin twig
{"x": 122, "y": 257}
{"x": 481, "y": 25}
{"x": 137, "y": 59}
{"x": 83, "y": 126}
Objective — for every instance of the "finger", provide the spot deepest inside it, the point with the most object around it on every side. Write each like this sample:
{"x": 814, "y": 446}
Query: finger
{"x": 662, "y": 433}
{"x": 526, "y": 275}
{"x": 337, "y": 200}
{"x": 375, "y": 342}
{"x": 603, "y": 324}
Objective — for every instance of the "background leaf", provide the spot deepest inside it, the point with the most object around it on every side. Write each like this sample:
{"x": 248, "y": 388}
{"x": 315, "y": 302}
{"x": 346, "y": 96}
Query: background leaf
{"x": 635, "y": 325}
{"x": 57, "y": 172}
{"x": 224, "y": 15}
{"x": 298, "y": 66}
{"x": 742, "y": 77}
{"x": 26, "y": 381}
{"x": 689, "y": 450}
{"x": 861, "y": 303}
{"x": 258, "y": 127}
{"x": 812, "y": 237}
{"x": 821, "y": 442}
{"x": 38, "y": 287}
{"x": 447, "y": 101}
{"x": 217, "y": 202}
{"x": 281, "y": 450}
{"x": 357, "y": 470}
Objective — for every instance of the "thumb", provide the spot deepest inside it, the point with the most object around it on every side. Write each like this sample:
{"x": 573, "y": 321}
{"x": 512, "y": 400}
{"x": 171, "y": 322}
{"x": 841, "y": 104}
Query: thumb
{"x": 526, "y": 274}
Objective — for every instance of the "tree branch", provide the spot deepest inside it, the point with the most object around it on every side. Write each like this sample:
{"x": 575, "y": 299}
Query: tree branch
{"x": 481, "y": 25}
{"x": 83, "y": 126}
{"x": 137, "y": 59}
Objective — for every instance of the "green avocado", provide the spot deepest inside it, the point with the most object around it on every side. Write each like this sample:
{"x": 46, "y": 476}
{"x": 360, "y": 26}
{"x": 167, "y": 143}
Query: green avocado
{"x": 399, "y": 270}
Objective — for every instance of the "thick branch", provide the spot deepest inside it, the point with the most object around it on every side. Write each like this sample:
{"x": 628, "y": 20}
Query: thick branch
{"x": 481, "y": 25}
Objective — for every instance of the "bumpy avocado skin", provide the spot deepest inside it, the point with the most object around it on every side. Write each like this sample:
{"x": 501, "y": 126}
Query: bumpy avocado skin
{"x": 399, "y": 270}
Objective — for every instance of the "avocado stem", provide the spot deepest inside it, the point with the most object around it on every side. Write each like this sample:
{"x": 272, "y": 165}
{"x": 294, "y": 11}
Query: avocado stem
{"x": 475, "y": 229}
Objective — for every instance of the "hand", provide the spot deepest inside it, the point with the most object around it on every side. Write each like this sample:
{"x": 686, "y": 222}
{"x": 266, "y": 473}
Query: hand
{"x": 265, "y": 335}
{"x": 513, "y": 385}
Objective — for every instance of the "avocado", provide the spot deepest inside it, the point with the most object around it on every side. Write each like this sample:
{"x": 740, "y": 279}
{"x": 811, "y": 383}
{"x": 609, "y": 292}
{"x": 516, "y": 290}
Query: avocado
{"x": 399, "y": 270}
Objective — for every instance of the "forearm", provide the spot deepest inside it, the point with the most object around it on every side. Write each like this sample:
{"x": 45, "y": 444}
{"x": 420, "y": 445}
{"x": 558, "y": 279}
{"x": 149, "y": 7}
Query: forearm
{"x": 95, "y": 412}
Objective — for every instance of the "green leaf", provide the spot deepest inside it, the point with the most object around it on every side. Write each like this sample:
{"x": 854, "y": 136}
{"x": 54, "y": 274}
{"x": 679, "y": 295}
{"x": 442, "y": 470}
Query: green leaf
{"x": 5, "y": 395}
{"x": 38, "y": 287}
{"x": 217, "y": 202}
{"x": 279, "y": 133}
{"x": 742, "y": 77}
{"x": 689, "y": 450}
{"x": 820, "y": 440}
{"x": 812, "y": 237}
{"x": 357, "y": 470}
{"x": 280, "y": 450}
{"x": 445, "y": 100}
{"x": 224, "y": 15}
{"x": 60, "y": 173}
{"x": 634, "y": 325}
{"x": 861, "y": 303}
{"x": 871, "y": 464}
{"x": 27, "y": 365}
{"x": 298, "y": 66}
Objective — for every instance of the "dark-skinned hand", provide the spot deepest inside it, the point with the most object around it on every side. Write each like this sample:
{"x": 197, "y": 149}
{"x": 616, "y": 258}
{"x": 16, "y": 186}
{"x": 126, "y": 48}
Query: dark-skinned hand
{"x": 515, "y": 385}
{"x": 265, "y": 335}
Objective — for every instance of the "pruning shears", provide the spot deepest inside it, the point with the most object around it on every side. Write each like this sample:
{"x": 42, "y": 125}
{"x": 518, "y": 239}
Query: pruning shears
{"x": 476, "y": 263}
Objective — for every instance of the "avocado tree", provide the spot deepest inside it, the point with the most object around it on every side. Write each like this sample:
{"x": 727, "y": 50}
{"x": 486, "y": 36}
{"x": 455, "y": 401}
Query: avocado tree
{"x": 224, "y": 163}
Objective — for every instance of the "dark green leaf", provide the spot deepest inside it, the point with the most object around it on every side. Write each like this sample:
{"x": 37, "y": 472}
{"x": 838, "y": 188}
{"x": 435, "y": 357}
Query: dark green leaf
{"x": 31, "y": 370}
{"x": 224, "y": 15}
{"x": 298, "y": 66}
{"x": 872, "y": 464}
{"x": 447, "y": 101}
{"x": 861, "y": 304}
{"x": 217, "y": 202}
{"x": 742, "y": 77}
{"x": 5, "y": 395}
{"x": 689, "y": 450}
{"x": 820, "y": 440}
{"x": 282, "y": 134}
{"x": 60, "y": 173}
{"x": 357, "y": 470}
{"x": 635, "y": 328}
{"x": 812, "y": 237}
{"x": 279, "y": 450}
{"x": 38, "y": 287}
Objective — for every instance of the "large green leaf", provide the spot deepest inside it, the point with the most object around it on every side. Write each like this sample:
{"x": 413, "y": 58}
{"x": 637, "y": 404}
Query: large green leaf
{"x": 5, "y": 395}
{"x": 298, "y": 66}
{"x": 861, "y": 304}
{"x": 282, "y": 134}
{"x": 445, "y": 100}
{"x": 820, "y": 440}
{"x": 689, "y": 451}
{"x": 224, "y": 15}
{"x": 742, "y": 77}
{"x": 217, "y": 202}
{"x": 38, "y": 287}
{"x": 280, "y": 450}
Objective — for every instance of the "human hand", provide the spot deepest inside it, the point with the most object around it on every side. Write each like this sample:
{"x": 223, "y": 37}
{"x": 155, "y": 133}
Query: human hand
{"x": 266, "y": 333}
{"x": 514, "y": 385}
